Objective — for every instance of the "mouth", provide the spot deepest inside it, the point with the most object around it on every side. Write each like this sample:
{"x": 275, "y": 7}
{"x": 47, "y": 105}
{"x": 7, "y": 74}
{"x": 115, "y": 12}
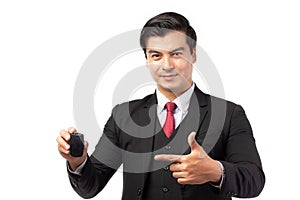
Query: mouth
{"x": 168, "y": 76}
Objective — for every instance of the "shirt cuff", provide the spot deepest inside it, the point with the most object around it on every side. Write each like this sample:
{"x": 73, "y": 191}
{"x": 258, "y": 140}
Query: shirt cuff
{"x": 222, "y": 177}
{"x": 79, "y": 168}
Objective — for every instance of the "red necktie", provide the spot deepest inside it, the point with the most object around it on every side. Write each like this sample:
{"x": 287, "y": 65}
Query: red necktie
{"x": 169, "y": 125}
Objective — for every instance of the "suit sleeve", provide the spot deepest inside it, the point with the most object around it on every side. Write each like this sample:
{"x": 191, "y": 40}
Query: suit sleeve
{"x": 101, "y": 165}
{"x": 244, "y": 176}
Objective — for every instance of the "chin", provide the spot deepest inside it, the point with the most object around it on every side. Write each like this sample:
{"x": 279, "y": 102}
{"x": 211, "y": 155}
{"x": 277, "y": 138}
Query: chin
{"x": 173, "y": 87}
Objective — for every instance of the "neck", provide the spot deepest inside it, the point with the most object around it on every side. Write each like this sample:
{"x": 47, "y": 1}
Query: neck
{"x": 173, "y": 94}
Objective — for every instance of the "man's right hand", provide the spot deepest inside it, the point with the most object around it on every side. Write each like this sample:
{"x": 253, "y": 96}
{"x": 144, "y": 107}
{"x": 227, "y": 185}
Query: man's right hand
{"x": 63, "y": 141}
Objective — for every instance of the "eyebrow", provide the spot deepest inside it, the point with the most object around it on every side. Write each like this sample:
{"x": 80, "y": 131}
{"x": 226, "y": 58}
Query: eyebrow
{"x": 153, "y": 51}
{"x": 177, "y": 49}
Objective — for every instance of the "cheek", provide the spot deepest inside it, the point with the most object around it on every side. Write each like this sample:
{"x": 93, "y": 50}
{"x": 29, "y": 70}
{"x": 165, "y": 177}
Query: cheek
{"x": 154, "y": 71}
{"x": 184, "y": 68}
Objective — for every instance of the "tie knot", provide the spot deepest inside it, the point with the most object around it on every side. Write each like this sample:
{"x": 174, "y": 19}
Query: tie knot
{"x": 170, "y": 106}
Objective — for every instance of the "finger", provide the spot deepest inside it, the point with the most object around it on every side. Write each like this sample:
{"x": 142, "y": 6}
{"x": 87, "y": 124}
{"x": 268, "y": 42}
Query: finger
{"x": 72, "y": 130}
{"x": 65, "y": 135}
{"x": 63, "y": 151}
{"x": 179, "y": 174}
{"x": 183, "y": 181}
{"x": 64, "y": 155}
{"x": 61, "y": 142}
{"x": 176, "y": 167}
{"x": 168, "y": 157}
{"x": 192, "y": 142}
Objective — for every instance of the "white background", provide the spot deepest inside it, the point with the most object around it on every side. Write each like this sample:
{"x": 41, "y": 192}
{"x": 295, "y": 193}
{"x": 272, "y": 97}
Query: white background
{"x": 254, "y": 45}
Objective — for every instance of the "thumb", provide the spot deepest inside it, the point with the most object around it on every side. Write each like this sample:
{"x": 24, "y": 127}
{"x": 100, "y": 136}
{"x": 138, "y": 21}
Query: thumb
{"x": 86, "y": 145}
{"x": 192, "y": 142}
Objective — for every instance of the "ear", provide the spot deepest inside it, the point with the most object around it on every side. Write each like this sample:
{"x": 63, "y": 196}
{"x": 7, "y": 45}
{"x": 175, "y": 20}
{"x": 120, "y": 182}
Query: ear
{"x": 194, "y": 55}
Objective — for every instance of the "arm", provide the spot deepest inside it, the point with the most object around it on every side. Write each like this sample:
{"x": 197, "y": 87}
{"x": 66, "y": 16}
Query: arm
{"x": 100, "y": 166}
{"x": 94, "y": 176}
{"x": 243, "y": 172}
{"x": 244, "y": 175}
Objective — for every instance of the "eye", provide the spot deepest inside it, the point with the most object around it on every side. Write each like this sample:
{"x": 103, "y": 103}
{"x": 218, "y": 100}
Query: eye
{"x": 155, "y": 56}
{"x": 177, "y": 54}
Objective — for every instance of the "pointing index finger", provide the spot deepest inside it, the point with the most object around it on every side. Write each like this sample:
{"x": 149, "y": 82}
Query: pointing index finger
{"x": 167, "y": 157}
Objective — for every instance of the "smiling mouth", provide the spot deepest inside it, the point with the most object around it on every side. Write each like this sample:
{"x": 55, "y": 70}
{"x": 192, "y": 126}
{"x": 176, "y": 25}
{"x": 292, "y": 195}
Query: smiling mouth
{"x": 168, "y": 76}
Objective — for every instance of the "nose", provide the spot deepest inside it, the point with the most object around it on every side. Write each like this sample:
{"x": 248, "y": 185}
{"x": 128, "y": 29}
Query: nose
{"x": 167, "y": 63}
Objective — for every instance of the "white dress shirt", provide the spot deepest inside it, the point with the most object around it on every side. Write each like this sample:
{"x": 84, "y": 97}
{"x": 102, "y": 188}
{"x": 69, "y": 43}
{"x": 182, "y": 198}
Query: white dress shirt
{"x": 182, "y": 102}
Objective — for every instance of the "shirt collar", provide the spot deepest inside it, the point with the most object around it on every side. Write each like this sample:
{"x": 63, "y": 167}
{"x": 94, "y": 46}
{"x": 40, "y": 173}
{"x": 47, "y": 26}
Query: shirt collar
{"x": 182, "y": 101}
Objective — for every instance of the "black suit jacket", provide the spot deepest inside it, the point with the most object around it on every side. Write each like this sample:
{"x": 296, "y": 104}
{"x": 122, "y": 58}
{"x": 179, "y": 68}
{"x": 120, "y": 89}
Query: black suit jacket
{"x": 222, "y": 129}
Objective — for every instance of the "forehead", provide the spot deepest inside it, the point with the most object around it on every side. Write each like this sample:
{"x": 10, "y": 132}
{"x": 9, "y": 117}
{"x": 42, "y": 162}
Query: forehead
{"x": 169, "y": 42}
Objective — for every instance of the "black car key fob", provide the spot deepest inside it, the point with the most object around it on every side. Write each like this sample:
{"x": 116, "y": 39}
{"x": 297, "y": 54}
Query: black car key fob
{"x": 76, "y": 144}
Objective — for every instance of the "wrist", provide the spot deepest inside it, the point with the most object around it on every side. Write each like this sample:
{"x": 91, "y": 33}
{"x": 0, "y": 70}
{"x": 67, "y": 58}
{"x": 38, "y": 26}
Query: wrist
{"x": 216, "y": 174}
{"x": 74, "y": 164}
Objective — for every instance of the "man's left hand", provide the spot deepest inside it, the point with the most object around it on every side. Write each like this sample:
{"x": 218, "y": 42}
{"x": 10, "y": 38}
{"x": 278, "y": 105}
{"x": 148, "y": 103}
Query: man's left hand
{"x": 194, "y": 168}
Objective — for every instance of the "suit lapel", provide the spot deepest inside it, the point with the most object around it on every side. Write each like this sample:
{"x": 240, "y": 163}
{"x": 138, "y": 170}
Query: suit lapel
{"x": 202, "y": 103}
{"x": 147, "y": 115}
{"x": 197, "y": 117}
{"x": 193, "y": 122}
{"x": 197, "y": 114}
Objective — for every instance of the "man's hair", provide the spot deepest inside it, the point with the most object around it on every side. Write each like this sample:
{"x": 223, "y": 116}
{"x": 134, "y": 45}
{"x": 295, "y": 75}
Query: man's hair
{"x": 164, "y": 23}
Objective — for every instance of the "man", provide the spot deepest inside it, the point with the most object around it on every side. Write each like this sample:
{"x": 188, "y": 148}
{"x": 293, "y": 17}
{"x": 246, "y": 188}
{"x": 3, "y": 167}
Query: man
{"x": 190, "y": 146}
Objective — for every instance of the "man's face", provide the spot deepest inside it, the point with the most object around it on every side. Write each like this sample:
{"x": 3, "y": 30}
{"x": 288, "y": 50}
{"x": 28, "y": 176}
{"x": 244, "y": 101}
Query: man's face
{"x": 170, "y": 61}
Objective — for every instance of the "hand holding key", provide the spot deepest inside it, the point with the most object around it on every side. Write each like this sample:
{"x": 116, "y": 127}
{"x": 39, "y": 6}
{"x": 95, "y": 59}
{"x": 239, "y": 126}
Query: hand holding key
{"x": 64, "y": 140}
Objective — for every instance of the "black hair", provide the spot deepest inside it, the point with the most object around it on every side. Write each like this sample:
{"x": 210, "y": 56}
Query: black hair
{"x": 164, "y": 23}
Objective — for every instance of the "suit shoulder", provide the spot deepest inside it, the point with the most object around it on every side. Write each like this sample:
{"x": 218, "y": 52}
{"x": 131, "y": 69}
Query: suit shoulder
{"x": 137, "y": 103}
{"x": 230, "y": 105}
